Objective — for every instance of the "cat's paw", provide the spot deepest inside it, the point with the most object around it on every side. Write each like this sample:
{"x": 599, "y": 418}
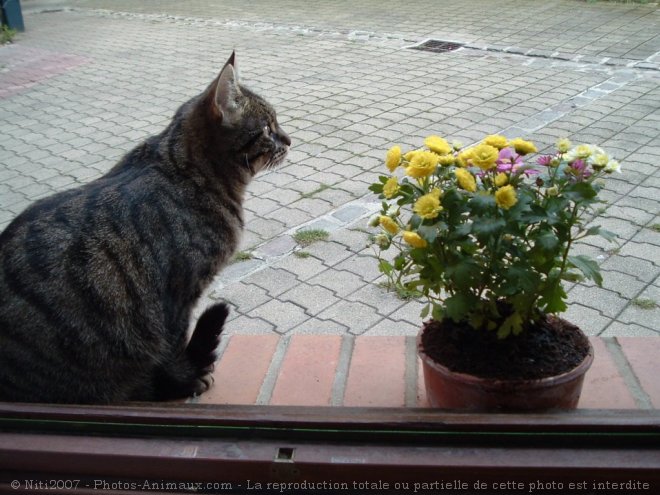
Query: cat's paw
{"x": 202, "y": 384}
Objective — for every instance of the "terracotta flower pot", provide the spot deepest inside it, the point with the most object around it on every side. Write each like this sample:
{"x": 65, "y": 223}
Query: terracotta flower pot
{"x": 452, "y": 390}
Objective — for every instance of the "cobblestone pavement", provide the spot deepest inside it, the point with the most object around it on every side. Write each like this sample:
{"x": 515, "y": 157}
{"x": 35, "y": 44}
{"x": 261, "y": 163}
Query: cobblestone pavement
{"x": 91, "y": 78}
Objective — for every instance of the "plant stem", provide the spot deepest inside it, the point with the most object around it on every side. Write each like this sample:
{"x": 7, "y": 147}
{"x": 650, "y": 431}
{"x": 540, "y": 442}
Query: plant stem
{"x": 564, "y": 260}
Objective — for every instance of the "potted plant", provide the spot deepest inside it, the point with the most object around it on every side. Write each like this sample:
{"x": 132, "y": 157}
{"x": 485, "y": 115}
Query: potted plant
{"x": 484, "y": 235}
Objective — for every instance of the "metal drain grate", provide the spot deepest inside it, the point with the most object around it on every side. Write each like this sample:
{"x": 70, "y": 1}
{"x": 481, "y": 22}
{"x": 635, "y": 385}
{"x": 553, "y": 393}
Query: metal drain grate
{"x": 437, "y": 46}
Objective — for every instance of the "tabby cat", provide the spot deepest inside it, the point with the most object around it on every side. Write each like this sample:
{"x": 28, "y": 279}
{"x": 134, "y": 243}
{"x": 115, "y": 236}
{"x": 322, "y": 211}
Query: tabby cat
{"x": 97, "y": 283}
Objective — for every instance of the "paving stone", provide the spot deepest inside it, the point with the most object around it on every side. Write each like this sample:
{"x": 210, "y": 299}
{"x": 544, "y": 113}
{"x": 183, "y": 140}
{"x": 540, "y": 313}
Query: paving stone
{"x": 366, "y": 267}
{"x": 358, "y": 317}
{"x": 312, "y": 298}
{"x": 247, "y": 325}
{"x": 279, "y": 246}
{"x": 349, "y": 213}
{"x": 275, "y": 281}
{"x": 330, "y": 253}
{"x": 315, "y": 326}
{"x": 387, "y": 327}
{"x": 283, "y": 315}
{"x": 618, "y": 329}
{"x": 591, "y": 321}
{"x": 345, "y": 102}
{"x": 242, "y": 296}
{"x": 608, "y": 303}
{"x": 240, "y": 269}
{"x": 340, "y": 282}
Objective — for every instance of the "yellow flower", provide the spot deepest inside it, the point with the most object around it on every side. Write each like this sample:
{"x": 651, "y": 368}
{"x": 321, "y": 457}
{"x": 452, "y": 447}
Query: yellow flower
{"x": 465, "y": 179}
{"x": 501, "y": 179}
{"x": 496, "y": 141}
{"x": 505, "y": 197}
{"x": 414, "y": 239}
{"x": 438, "y": 145}
{"x": 583, "y": 151}
{"x": 463, "y": 158}
{"x": 422, "y": 164}
{"x": 523, "y": 147}
{"x": 391, "y": 187}
{"x": 484, "y": 156}
{"x": 599, "y": 160}
{"x": 446, "y": 160}
{"x": 409, "y": 156}
{"x": 393, "y": 158}
{"x": 428, "y": 206}
{"x": 563, "y": 145}
{"x": 389, "y": 225}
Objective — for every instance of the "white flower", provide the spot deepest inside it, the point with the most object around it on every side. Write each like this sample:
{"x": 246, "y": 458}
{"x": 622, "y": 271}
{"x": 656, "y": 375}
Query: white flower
{"x": 612, "y": 166}
{"x": 599, "y": 160}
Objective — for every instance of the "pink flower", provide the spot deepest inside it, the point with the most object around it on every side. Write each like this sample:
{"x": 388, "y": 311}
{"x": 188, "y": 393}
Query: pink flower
{"x": 578, "y": 168}
{"x": 508, "y": 160}
{"x": 544, "y": 160}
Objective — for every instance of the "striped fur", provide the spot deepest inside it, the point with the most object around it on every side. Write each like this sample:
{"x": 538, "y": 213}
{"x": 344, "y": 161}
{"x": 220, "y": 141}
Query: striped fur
{"x": 97, "y": 283}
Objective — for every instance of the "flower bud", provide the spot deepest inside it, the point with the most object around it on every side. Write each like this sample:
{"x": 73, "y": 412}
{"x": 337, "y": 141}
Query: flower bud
{"x": 457, "y": 145}
{"x": 552, "y": 191}
{"x": 394, "y": 211}
{"x": 382, "y": 241}
{"x": 374, "y": 221}
{"x": 539, "y": 181}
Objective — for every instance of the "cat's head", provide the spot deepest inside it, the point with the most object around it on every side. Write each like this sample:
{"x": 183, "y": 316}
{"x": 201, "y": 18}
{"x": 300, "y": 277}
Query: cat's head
{"x": 245, "y": 127}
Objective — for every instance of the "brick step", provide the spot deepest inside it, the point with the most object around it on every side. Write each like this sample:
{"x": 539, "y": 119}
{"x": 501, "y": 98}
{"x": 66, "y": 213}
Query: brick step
{"x": 334, "y": 370}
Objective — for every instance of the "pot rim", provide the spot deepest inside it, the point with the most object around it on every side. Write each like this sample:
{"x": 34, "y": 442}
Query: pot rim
{"x": 495, "y": 383}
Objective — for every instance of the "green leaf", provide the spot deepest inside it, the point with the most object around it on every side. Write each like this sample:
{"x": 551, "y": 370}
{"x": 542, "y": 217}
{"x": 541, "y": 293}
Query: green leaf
{"x": 458, "y": 306}
{"x": 482, "y": 227}
{"x": 376, "y": 188}
{"x": 512, "y": 324}
{"x": 385, "y": 267}
{"x": 547, "y": 241}
{"x": 588, "y": 267}
{"x": 462, "y": 230}
{"x": 520, "y": 279}
{"x": 580, "y": 191}
{"x": 605, "y": 234}
{"x": 415, "y": 221}
{"x": 463, "y": 272}
{"x": 481, "y": 203}
{"x": 536, "y": 215}
{"x": 430, "y": 232}
{"x": 438, "y": 313}
{"x": 553, "y": 296}
{"x": 572, "y": 277}
{"x": 425, "y": 312}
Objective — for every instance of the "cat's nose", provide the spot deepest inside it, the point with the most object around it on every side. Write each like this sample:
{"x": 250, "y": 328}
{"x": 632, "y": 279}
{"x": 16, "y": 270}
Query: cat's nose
{"x": 284, "y": 137}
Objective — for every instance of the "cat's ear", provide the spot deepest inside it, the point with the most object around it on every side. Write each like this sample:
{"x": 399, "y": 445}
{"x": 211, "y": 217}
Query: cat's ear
{"x": 227, "y": 92}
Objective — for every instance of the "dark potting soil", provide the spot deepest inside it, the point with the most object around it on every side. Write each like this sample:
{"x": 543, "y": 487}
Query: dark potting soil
{"x": 551, "y": 347}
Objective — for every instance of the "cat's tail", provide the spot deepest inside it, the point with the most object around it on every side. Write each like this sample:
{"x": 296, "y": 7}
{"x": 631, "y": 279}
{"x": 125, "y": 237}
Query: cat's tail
{"x": 206, "y": 336}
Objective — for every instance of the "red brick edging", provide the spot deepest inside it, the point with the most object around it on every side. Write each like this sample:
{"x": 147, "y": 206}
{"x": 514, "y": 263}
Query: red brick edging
{"x": 334, "y": 370}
